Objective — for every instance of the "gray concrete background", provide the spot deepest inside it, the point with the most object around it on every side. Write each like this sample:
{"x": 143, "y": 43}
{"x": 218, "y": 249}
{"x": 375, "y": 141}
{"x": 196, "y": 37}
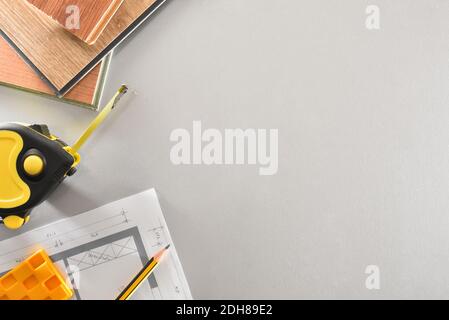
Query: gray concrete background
{"x": 363, "y": 148}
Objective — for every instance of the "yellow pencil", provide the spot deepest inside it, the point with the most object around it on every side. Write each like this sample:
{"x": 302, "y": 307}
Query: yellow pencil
{"x": 142, "y": 275}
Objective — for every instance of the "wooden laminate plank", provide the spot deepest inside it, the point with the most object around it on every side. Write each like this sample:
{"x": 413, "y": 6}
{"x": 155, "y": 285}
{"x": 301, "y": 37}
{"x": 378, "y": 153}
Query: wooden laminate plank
{"x": 14, "y": 72}
{"x": 86, "y": 19}
{"x": 57, "y": 55}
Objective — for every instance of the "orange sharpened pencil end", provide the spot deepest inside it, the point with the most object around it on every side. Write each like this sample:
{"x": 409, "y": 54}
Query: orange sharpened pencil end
{"x": 158, "y": 256}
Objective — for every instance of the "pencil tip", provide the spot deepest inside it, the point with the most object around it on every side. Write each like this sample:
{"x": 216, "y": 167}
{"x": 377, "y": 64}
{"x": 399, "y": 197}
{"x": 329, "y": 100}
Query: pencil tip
{"x": 160, "y": 254}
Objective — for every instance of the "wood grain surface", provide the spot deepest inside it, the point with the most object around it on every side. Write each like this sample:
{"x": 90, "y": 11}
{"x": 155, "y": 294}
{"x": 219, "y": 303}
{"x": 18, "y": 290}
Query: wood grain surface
{"x": 56, "y": 53}
{"x": 93, "y": 15}
{"x": 16, "y": 73}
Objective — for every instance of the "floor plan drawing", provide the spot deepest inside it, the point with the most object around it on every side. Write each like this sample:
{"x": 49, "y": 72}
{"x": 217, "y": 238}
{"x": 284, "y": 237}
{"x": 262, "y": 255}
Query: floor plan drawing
{"x": 100, "y": 251}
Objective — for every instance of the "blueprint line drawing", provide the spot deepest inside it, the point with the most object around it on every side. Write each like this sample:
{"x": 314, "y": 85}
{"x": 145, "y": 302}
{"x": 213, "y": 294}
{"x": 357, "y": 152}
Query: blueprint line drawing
{"x": 103, "y": 251}
{"x": 100, "y": 251}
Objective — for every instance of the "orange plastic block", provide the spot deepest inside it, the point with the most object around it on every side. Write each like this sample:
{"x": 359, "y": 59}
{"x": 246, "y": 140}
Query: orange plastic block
{"x": 36, "y": 278}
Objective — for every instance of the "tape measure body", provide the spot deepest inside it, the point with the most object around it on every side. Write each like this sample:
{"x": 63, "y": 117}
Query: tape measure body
{"x": 32, "y": 164}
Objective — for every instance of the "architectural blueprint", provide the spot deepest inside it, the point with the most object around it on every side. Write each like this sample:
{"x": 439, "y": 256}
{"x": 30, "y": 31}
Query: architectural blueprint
{"x": 100, "y": 251}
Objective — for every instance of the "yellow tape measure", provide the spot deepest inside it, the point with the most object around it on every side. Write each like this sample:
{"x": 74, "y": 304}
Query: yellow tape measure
{"x": 100, "y": 118}
{"x": 33, "y": 163}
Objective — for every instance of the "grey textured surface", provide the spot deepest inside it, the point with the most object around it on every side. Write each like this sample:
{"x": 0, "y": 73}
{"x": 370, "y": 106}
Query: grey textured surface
{"x": 363, "y": 144}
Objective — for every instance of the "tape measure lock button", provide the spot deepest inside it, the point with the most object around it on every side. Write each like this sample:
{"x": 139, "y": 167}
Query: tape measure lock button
{"x": 33, "y": 163}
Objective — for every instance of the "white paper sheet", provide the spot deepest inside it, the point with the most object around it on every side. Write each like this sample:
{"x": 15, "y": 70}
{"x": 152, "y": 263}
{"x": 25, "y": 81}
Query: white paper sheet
{"x": 103, "y": 249}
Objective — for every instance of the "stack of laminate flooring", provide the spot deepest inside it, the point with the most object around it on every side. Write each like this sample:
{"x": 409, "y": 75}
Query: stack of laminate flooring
{"x": 63, "y": 48}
